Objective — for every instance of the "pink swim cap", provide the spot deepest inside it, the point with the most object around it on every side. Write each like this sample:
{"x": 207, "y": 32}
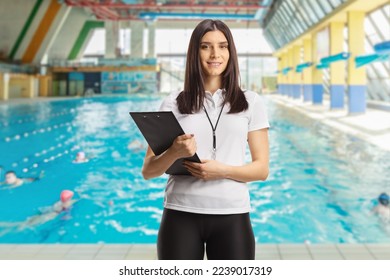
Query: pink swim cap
{"x": 66, "y": 195}
{"x": 81, "y": 154}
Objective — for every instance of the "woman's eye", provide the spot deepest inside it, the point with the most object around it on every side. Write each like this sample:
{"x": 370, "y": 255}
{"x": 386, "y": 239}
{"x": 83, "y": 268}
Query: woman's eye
{"x": 204, "y": 46}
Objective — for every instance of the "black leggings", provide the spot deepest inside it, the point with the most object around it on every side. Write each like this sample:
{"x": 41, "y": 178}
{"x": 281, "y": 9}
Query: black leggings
{"x": 183, "y": 236}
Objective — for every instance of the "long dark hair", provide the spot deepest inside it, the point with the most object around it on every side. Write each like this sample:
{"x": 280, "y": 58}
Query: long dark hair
{"x": 190, "y": 100}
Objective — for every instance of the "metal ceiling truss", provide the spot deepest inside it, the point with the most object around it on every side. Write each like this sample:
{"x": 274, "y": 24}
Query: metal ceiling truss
{"x": 171, "y": 9}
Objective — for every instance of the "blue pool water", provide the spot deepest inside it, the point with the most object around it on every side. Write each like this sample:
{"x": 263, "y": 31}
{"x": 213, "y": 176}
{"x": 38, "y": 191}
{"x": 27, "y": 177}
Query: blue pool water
{"x": 321, "y": 188}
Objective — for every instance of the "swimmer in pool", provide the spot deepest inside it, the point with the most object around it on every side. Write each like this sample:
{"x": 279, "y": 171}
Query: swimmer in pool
{"x": 65, "y": 201}
{"x": 49, "y": 213}
{"x": 64, "y": 204}
{"x": 80, "y": 158}
{"x": 13, "y": 181}
{"x": 383, "y": 207}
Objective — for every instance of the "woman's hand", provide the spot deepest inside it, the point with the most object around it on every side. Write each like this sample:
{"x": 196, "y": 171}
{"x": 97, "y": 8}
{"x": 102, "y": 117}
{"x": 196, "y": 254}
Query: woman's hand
{"x": 254, "y": 171}
{"x": 184, "y": 146}
{"x": 207, "y": 170}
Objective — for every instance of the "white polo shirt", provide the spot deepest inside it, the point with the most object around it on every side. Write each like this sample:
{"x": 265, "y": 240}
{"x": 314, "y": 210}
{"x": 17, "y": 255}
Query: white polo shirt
{"x": 223, "y": 196}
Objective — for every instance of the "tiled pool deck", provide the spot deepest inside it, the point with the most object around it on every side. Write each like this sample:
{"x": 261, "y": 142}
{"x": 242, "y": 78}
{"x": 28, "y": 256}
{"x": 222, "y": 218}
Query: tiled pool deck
{"x": 148, "y": 252}
{"x": 373, "y": 126}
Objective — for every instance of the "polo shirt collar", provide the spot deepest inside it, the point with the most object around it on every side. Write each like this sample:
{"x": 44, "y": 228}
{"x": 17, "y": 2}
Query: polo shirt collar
{"x": 218, "y": 92}
{"x": 217, "y": 98}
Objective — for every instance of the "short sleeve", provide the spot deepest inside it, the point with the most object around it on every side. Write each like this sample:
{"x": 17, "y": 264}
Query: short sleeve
{"x": 258, "y": 118}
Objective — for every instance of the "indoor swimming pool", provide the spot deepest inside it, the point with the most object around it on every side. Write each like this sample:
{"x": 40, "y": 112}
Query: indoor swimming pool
{"x": 321, "y": 188}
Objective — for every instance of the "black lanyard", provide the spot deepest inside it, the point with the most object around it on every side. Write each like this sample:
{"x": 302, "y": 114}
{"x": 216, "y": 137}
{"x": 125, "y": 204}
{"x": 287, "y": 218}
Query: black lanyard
{"x": 214, "y": 128}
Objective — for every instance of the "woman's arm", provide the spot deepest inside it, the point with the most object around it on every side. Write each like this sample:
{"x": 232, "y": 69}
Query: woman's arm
{"x": 154, "y": 166}
{"x": 256, "y": 170}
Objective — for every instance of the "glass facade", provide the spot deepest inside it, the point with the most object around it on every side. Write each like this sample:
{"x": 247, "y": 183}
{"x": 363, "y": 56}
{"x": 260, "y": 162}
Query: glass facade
{"x": 288, "y": 19}
{"x": 293, "y": 17}
{"x": 377, "y": 29}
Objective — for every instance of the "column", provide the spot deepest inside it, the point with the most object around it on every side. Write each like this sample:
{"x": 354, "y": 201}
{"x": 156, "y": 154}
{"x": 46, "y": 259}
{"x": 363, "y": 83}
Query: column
{"x": 290, "y": 59}
{"x": 137, "y": 39}
{"x": 317, "y": 89}
{"x": 357, "y": 79}
{"x": 307, "y": 72}
{"x": 112, "y": 39}
{"x": 279, "y": 76}
{"x": 337, "y": 69}
{"x": 284, "y": 77}
{"x": 4, "y": 86}
{"x": 297, "y": 77}
{"x": 151, "y": 39}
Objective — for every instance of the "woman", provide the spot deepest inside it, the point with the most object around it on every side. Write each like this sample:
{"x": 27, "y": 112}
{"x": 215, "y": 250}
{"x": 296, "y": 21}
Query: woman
{"x": 210, "y": 209}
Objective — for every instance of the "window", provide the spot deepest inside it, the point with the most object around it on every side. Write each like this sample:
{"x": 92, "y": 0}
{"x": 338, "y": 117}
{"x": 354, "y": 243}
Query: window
{"x": 96, "y": 45}
{"x": 377, "y": 29}
{"x": 335, "y": 3}
{"x": 380, "y": 70}
{"x": 309, "y": 19}
{"x": 325, "y": 6}
{"x": 308, "y": 11}
{"x": 317, "y": 9}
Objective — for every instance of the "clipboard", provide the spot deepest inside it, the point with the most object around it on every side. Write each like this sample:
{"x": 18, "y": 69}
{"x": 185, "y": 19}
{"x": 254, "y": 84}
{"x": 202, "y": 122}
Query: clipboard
{"x": 160, "y": 129}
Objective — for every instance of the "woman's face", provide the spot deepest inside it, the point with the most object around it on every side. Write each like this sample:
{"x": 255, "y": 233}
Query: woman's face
{"x": 214, "y": 53}
{"x": 10, "y": 178}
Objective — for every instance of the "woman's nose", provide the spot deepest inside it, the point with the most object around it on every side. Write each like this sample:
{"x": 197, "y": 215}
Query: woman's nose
{"x": 214, "y": 52}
